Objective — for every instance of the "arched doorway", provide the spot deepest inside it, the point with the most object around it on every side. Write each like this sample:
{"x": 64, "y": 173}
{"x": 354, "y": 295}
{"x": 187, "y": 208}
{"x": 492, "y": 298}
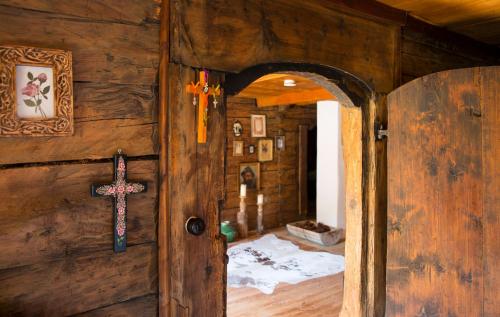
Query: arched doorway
{"x": 354, "y": 97}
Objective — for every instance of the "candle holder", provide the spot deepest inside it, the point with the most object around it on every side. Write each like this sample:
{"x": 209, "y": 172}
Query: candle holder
{"x": 260, "y": 218}
{"x": 242, "y": 218}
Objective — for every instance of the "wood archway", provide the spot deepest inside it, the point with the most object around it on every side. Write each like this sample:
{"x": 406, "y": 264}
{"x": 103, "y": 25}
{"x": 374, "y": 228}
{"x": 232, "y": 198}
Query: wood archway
{"x": 355, "y": 97}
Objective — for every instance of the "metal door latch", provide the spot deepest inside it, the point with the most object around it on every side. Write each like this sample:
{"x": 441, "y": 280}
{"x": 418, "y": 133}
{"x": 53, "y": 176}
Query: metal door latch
{"x": 380, "y": 132}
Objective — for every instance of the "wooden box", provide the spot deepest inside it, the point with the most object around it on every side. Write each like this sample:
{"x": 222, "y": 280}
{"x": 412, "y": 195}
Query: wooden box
{"x": 334, "y": 236}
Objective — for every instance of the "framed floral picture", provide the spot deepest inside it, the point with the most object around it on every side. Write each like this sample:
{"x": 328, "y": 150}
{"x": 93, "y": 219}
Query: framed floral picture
{"x": 36, "y": 93}
{"x": 265, "y": 148}
{"x": 258, "y": 123}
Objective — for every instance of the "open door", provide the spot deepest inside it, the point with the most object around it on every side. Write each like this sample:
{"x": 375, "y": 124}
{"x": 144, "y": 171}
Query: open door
{"x": 443, "y": 202}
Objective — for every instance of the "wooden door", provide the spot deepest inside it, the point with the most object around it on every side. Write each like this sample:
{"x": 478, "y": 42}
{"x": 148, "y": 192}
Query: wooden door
{"x": 196, "y": 186}
{"x": 443, "y": 192}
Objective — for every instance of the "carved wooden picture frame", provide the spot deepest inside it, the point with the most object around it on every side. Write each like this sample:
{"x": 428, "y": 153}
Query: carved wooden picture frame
{"x": 36, "y": 92}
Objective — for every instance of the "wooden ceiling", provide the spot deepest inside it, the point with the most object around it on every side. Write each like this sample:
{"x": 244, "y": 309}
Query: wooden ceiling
{"x": 270, "y": 91}
{"x": 478, "y": 19}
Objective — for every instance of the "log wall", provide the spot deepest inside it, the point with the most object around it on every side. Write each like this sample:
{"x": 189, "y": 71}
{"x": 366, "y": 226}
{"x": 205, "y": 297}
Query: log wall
{"x": 279, "y": 177}
{"x": 57, "y": 251}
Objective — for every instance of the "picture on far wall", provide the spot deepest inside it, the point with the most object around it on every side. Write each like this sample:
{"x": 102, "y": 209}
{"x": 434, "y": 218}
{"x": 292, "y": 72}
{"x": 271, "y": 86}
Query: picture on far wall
{"x": 237, "y": 148}
{"x": 37, "y": 91}
{"x": 237, "y": 128}
{"x": 249, "y": 175}
{"x": 251, "y": 149}
{"x": 265, "y": 153}
{"x": 280, "y": 142}
{"x": 258, "y": 125}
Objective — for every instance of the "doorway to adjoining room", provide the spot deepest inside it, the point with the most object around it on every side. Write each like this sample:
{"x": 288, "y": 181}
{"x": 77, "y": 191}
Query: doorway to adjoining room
{"x": 284, "y": 215}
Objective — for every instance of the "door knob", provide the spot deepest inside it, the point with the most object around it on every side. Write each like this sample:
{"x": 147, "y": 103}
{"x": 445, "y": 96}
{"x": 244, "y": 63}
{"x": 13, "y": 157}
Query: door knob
{"x": 195, "y": 226}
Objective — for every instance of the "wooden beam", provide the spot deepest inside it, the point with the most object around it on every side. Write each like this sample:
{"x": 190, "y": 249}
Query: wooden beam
{"x": 403, "y": 18}
{"x": 163, "y": 215}
{"x": 295, "y": 97}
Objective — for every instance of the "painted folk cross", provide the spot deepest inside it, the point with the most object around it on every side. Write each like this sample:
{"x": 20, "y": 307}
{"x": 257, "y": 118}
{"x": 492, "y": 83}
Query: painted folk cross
{"x": 203, "y": 91}
{"x": 119, "y": 190}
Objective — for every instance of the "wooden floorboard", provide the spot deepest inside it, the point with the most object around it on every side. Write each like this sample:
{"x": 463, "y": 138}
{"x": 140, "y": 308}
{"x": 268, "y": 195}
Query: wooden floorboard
{"x": 313, "y": 298}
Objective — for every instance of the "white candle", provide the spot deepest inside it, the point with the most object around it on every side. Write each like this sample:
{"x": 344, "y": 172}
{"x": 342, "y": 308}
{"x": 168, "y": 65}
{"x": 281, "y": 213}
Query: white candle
{"x": 260, "y": 199}
{"x": 243, "y": 190}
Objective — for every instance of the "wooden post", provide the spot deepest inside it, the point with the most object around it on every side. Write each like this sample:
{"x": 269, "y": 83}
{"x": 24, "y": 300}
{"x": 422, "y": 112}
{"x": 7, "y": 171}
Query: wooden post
{"x": 163, "y": 219}
{"x": 242, "y": 219}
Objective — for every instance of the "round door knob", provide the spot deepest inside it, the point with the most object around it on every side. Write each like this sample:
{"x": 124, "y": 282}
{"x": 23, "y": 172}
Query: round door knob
{"x": 195, "y": 226}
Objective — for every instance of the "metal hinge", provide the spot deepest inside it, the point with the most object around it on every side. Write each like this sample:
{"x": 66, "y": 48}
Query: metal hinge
{"x": 380, "y": 132}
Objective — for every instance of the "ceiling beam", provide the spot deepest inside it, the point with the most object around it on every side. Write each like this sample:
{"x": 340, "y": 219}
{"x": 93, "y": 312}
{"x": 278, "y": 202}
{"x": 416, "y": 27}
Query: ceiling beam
{"x": 300, "y": 97}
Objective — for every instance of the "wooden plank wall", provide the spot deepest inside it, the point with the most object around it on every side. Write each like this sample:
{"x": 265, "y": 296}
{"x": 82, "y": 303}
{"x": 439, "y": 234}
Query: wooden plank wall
{"x": 57, "y": 256}
{"x": 423, "y": 54}
{"x": 278, "y": 177}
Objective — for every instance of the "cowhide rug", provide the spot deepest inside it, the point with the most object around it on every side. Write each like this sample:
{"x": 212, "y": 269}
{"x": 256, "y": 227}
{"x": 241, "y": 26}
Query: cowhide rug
{"x": 268, "y": 261}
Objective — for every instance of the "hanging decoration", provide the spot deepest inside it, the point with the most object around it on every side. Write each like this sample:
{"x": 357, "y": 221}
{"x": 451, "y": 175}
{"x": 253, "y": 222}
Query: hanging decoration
{"x": 203, "y": 91}
{"x": 119, "y": 190}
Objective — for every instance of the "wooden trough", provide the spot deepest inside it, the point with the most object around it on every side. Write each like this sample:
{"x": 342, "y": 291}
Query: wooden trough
{"x": 327, "y": 238}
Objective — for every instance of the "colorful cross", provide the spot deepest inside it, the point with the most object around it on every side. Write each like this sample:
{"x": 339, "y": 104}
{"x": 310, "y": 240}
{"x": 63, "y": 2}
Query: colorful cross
{"x": 119, "y": 190}
{"x": 203, "y": 91}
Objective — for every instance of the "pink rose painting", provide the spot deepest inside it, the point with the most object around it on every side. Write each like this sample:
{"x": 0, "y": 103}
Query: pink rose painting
{"x": 36, "y": 89}
{"x": 35, "y": 92}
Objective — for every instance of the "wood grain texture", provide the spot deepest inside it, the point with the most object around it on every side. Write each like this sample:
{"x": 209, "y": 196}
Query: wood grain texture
{"x": 490, "y": 114}
{"x": 145, "y": 306}
{"x": 80, "y": 283}
{"x": 163, "y": 135}
{"x": 437, "y": 194}
{"x": 38, "y": 225}
{"x": 196, "y": 175}
{"x": 135, "y": 11}
{"x": 354, "y": 276}
{"x": 421, "y": 54}
{"x": 102, "y": 52}
{"x": 233, "y": 35}
{"x": 59, "y": 258}
{"x": 279, "y": 177}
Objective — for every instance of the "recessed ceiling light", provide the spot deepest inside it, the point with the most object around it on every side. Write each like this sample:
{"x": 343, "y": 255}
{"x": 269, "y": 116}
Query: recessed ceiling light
{"x": 289, "y": 83}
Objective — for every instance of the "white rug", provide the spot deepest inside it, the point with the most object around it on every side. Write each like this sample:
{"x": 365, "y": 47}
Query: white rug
{"x": 268, "y": 261}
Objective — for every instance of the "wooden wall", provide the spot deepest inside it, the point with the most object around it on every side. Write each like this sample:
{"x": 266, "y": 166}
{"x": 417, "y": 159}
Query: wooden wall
{"x": 279, "y": 176}
{"x": 57, "y": 252}
{"x": 423, "y": 54}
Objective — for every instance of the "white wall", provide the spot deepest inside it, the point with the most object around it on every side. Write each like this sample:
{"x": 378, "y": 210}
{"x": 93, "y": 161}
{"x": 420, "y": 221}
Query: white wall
{"x": 330, "y": 191}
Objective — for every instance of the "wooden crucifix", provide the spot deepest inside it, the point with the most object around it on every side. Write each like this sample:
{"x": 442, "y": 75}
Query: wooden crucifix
{"x": 119, "y": 190}
{"x": 202, "y": 89}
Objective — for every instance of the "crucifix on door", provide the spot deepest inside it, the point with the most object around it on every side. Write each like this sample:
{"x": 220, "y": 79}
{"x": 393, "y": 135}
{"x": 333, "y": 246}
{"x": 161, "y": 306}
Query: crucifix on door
{"x": 202, "y": 90}
{"x": 119, "y": 190}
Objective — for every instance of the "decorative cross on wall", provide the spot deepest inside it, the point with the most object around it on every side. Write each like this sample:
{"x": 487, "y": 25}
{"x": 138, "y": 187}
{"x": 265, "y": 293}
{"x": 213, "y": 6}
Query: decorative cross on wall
{"x": 119, "y": 190}
{"x": 203, "y": 91}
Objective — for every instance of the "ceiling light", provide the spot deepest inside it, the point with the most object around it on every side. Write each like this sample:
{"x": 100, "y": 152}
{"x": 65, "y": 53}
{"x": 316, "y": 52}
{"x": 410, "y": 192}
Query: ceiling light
{"x": 289, "y": 83}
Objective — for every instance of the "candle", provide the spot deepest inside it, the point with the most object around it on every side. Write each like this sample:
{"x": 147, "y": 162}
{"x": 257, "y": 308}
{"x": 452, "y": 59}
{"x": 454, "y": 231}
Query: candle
{"x": 243, "y": 190}
{"x": 260, "y": 199}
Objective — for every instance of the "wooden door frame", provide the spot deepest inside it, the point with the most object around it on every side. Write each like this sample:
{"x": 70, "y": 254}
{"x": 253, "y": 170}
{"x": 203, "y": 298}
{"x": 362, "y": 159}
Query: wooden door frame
{"x": 351, "y": 91}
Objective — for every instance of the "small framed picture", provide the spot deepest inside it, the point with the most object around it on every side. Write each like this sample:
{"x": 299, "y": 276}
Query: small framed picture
{"x": 258, "y": 125}
{"x": 251, "y": 149}
{"x": 237, "y": 148}
{"x": 280, "y": 142}
{"x": 265, "y": 153}
{"x": 36, "y": 92}
{"x": 249, "y": 175}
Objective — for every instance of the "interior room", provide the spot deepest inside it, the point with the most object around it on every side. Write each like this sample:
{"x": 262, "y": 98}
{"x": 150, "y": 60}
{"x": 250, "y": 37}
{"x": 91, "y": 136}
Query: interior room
{"x": 289, "y": 175}
{"x": 249, "y": 158}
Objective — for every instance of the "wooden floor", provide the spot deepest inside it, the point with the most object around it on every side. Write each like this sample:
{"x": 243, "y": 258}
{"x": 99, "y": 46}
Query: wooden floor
{"x": 318, "y": 297}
